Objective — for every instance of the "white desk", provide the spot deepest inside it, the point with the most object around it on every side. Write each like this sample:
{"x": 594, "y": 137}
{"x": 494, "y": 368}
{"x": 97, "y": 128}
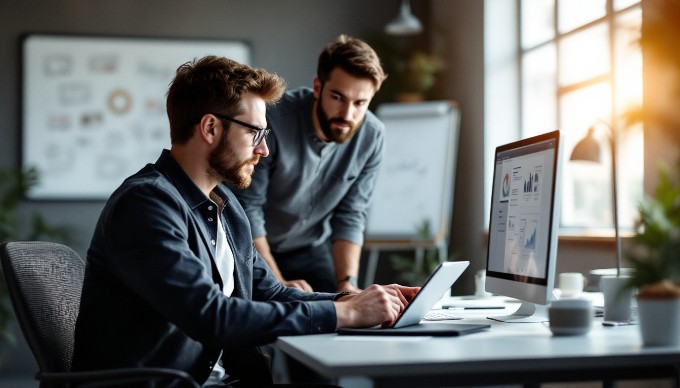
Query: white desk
{"x": 508, "y": 353}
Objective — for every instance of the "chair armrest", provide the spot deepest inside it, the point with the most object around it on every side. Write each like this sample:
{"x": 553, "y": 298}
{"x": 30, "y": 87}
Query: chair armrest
{"x": 119, "y": 376}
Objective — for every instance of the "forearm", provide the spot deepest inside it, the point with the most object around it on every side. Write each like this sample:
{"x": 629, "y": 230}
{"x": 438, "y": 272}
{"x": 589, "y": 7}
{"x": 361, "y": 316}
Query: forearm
{"x": 262, "y": 246}
{"x": 346, "y": 256}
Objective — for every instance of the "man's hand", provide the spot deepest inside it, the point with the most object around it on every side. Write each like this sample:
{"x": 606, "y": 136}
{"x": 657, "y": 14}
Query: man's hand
{"x": 408, "y": 292}
{"x": 376, "y": 305}
{"x": 300, "y": 284}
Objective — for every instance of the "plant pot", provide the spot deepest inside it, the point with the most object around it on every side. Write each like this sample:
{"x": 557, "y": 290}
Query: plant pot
{"x": 659, "y": 321}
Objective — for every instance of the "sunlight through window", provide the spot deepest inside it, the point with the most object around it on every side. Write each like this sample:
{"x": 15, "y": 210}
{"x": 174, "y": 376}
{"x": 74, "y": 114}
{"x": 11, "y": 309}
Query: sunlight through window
{"x": 582, "y": 67}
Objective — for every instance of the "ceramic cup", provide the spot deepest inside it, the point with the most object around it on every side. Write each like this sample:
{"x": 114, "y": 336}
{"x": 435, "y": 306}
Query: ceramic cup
{"x": 570, "y": 316}
{"x": 617, "y": 298}
{"x": 571, "y": 283}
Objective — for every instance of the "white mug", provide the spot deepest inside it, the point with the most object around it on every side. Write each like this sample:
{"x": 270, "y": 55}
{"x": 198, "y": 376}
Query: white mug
{"x": 571, "y": 283}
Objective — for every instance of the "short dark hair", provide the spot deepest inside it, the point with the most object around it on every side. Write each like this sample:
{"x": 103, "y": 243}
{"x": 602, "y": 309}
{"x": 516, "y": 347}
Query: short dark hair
{"x": 214, "y": 84}
{"x": 354, "y": 56}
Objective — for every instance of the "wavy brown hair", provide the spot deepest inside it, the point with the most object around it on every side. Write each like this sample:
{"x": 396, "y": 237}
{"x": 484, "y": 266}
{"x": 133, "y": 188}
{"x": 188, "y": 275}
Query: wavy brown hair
{"x": 215, "y": 84}
{"x": 355, "y": 57}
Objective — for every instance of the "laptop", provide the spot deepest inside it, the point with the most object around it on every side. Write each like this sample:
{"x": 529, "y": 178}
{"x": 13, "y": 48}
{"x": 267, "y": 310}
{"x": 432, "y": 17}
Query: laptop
{"x": 408, "y": 322}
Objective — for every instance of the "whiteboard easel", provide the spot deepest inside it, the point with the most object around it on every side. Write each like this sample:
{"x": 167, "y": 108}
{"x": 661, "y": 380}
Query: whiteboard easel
{"x": 416, "y": 180}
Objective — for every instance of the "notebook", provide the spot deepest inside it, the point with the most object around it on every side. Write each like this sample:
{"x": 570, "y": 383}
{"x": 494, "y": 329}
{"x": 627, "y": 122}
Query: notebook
{"x": 408, "y": 322}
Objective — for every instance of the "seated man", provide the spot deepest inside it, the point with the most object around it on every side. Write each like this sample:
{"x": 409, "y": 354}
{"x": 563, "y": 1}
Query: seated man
{"x": 172, "y": 278}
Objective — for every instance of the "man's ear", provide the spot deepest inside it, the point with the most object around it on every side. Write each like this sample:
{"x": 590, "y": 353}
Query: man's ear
{"x": 207, "y": 128}
{"x": 317, "y": 88}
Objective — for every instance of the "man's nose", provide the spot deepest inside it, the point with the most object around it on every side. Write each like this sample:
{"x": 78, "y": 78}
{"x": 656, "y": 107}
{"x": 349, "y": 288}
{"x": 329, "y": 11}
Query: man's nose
{"x": 262, "y": 149}
{"x": 347, "y": 111}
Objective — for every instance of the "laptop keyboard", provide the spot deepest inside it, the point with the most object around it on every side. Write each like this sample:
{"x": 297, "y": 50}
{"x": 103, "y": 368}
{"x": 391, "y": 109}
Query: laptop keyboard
{"x": 437, "y": 315}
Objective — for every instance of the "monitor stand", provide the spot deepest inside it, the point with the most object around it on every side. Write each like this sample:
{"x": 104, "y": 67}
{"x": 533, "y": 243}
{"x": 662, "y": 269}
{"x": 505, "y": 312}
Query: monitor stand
{"x": 526, "y": 313}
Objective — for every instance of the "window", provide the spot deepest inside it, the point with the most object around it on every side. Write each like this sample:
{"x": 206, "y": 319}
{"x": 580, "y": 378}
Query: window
{"x": 581, "y": 67}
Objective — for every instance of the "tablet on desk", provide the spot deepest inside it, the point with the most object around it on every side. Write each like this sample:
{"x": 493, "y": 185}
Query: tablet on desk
{"x": 436, "y": 329}
{"x": 408, "y": 322}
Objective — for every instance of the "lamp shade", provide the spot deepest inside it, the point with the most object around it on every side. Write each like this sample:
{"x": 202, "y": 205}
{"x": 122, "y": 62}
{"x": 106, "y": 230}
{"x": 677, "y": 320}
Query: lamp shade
{"x": 587, "y": 148}
{"x": 405, "y": 23}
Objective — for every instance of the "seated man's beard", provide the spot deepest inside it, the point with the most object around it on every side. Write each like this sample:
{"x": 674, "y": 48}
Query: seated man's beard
{"x": 225, "y": 167}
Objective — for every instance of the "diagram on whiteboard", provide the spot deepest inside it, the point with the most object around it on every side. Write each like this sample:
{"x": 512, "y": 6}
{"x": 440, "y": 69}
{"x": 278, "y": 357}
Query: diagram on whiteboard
{"x": 94, "y": 108}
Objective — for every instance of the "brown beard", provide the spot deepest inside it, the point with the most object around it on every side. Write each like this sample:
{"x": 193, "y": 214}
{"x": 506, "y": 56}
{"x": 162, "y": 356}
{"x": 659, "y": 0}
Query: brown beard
{"x": 336, "y": 136}
{"x": 225, "y": 166}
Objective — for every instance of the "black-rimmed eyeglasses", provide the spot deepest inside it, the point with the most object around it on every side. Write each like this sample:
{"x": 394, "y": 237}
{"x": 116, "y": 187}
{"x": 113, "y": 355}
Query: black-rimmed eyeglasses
{"x": 259, "y": 133}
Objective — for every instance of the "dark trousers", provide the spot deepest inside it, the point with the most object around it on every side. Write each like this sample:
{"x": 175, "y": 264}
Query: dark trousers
{"x": 315, "y": 265}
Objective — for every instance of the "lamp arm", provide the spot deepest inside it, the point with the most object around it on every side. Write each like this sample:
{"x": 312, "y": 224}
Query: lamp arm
{"x": 611, "y": 135}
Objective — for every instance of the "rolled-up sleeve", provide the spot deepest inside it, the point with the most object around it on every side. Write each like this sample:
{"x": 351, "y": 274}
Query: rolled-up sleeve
{"x": 349, "y": 219}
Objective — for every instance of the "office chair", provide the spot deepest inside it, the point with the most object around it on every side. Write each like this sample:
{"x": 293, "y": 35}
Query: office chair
{"x": 44, "y": 281}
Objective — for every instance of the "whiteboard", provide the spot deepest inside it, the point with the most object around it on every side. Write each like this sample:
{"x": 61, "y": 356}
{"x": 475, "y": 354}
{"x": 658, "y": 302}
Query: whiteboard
{"x": 416, "y": 180}
{"x": 93, "y": 108}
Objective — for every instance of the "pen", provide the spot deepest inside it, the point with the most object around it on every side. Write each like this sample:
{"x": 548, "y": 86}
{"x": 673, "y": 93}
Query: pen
{"x": 617, "y": 323}
{"x": 453, "y": 307}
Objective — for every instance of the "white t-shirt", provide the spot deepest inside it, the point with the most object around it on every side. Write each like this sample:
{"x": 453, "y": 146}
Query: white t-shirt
{"x": 224, "y": 259}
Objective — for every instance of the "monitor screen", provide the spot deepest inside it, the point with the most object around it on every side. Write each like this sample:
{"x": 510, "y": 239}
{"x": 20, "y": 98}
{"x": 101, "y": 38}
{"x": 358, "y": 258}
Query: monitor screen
{"x": 523, "y": 226}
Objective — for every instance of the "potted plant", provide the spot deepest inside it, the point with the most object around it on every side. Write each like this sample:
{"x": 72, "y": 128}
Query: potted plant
{"x": 14, "y": 184}
{"x": 416, "y": 75}
{"x": 412, "y": 69}
{"x": 655, "y": 253}
{"x": 655, "y": 260}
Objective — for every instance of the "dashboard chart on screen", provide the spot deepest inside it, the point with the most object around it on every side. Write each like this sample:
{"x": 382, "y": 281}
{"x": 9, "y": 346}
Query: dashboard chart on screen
{"x": 524, "y": 223}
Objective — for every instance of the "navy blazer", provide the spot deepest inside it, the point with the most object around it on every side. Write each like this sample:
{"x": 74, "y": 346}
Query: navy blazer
{"x": 152, "y": 296}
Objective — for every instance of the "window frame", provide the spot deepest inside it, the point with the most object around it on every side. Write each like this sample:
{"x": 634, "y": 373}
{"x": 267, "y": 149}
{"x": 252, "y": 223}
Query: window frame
{"x": 609, "y": 79}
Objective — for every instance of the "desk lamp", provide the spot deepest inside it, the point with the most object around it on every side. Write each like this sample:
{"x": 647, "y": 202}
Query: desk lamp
{"x": 588, "y": 149}
{"x": 405, "y": 23}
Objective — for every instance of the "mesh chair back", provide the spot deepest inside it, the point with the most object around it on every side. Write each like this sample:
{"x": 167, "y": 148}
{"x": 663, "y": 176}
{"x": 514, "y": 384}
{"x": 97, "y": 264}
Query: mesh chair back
{"x": 45, "y": 281}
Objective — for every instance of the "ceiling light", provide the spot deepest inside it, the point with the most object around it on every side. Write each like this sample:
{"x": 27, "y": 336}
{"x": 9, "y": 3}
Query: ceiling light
{"x": 405, "y": 23}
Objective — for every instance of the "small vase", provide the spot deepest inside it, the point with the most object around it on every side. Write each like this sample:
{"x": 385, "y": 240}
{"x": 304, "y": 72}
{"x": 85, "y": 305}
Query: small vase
{"x": 659, "y": 321}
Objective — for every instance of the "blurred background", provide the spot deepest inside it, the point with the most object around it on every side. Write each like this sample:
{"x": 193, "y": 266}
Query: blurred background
{"x": 516, "y": 68}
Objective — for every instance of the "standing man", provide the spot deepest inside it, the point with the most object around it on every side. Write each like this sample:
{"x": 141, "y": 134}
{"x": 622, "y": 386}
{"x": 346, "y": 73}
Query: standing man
{"x": 308, "y": 202}
{"x": 172, "y": 277}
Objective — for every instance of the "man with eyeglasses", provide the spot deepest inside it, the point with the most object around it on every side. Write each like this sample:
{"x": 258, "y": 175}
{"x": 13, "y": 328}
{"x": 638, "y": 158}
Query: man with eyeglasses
{"x": 308, "y": 201}
{"x": 172, "y": 277}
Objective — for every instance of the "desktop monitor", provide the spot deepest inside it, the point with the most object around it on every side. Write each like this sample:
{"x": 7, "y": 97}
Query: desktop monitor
{"x": 524, "y": 223}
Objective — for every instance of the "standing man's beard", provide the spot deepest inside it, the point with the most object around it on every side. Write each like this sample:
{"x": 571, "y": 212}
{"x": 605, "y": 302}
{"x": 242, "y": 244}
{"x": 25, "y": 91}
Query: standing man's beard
{"x": 336, "y": 136}
{"x": 225, "y": 167}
